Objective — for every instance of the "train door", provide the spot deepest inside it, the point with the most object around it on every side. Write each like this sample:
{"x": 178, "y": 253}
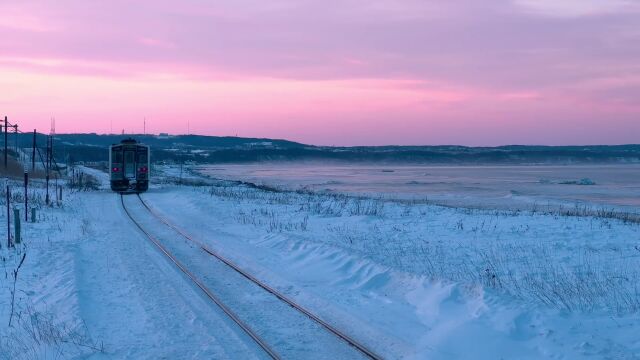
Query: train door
{"x": 115, "y": 162}
{"x": 143, "y": 159}
{"x": 130, "y": 163}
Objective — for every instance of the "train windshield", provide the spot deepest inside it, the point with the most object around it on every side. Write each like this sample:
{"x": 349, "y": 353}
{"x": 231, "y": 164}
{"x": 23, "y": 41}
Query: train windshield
{"x": 142, "y": 157}
{"x": 129, "y": 164}
{"x": 116, "y": 155}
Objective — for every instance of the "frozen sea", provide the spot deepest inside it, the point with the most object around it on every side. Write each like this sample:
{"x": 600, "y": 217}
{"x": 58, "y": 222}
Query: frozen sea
{"x": 514, "y": 187}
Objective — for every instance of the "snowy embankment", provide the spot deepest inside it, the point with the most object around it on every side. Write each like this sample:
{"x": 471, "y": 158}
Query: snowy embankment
{"x": 90, "y": 286}
{"x": 39, "y": 307}
{"x": 410, "y": 279}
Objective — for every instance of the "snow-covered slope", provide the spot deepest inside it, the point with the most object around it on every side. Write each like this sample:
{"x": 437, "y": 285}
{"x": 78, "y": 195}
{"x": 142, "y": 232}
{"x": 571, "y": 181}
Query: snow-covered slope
{"x": 428, "y": 282}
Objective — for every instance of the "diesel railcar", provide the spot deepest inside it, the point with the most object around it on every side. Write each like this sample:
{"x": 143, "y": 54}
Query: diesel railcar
{"x": 129, "y": 164}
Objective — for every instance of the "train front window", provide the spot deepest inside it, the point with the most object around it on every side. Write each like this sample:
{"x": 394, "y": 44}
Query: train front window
{"x": 142, "y": 157}
{"x": 116, "y": 155}
{"x": 129, "y": 164}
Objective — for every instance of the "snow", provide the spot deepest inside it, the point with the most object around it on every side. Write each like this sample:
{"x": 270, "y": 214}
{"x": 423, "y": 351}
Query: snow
{"x": 94, "y": 274}
{"x": 395, "y": 302}
{"x": 410, "y": 279}
{"x": 140, "y": 302}
{"x": 292, "y": 332}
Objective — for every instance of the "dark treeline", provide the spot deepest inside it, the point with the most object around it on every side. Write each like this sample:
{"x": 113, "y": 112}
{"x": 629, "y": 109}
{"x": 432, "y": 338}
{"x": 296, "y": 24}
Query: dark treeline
{"x": 213, "y": 149}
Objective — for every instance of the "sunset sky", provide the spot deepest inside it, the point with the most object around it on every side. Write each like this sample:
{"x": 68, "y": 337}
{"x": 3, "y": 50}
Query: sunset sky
{"x": 348, "y": 72}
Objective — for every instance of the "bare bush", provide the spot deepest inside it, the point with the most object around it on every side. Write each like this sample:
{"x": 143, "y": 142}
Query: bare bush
{"x": 36, "y": 335}
{"x": 84, "y": 182}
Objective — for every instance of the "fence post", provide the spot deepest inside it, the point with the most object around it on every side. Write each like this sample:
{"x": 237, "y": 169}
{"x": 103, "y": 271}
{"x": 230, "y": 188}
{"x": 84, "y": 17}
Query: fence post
{"x": 47, "y": 195}
{"x": 16, "y": 219}
{"x": 26, "y": 196}
{"x": 33, "y": 215}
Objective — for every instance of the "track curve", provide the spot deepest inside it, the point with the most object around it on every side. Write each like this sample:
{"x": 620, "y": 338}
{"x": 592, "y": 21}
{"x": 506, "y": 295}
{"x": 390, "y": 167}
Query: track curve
{"x": 210, "y": 295}
{"x": 341, "y": 335}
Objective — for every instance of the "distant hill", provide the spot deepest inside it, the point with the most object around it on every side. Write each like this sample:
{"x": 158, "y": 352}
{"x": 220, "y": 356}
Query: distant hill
{"x": 169, "y": 141}
{"x": 217, "y": 149}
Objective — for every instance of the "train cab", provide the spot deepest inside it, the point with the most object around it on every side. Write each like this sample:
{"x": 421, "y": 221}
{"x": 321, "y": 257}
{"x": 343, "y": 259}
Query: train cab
{"x": 129, "y": 165}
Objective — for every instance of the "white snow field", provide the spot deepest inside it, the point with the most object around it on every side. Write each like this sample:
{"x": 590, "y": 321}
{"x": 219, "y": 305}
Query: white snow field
{"x": 409, "y": 279}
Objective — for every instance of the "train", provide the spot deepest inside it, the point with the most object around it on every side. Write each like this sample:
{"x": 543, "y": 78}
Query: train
{"x": 129, "y": 165}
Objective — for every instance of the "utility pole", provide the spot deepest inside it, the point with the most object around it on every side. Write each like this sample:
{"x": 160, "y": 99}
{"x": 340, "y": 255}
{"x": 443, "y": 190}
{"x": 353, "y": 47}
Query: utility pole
{"x": 8, "y": 219}
{"x": 15, "y": 131}
{"x": 6, "y": 134}
{"x": 33, "y": 152}
{"x": 1, "y": 126}
{"x": 48, "y": 157}
{"x": 51, "y": 160}
{"x": 52, "y": 134}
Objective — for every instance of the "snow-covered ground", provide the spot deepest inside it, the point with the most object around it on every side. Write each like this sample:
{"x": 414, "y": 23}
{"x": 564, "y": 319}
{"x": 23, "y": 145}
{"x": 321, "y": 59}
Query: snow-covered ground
{"x": 411, "y": 279}
{"x": 90, "y": 286}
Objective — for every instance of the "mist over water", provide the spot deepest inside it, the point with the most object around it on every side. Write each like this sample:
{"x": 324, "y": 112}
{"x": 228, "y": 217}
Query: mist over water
{"x": 514, "y": 187}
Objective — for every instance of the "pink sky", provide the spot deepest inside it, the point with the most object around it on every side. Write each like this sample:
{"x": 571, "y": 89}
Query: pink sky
{"x": 353, "y": 72}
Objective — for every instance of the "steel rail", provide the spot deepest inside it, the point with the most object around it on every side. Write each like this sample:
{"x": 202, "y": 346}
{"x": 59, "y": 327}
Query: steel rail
{"x": 349, "y": 340}
{"x": 204, "y": 289}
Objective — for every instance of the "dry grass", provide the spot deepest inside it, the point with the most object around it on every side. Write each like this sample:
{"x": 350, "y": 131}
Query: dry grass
{"x": 40, "y": 336}
{"x": 15, "y": 169}
{"x": 588, "y": 281}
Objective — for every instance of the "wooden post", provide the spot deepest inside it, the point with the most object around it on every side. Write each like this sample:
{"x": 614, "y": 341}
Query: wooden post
{"x": 52, "y": 158}
{"x": 6, "y": 141}
{"x": 16, "y": 219}
{"x": 15, "y": 131}
{"x": 47, "y": 196}
{"x": 47, "y": 155}
{"x": 33, "y": 153}
{"x": 8, "y": 218}
{"x": 26, "y": 196}
{"x": 47, "y": 164}
{"x": 33, "y": 215}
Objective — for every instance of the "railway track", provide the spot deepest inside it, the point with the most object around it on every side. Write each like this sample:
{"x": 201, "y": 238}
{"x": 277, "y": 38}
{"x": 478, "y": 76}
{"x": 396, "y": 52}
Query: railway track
{"x": 208, "y": 293}
{"x": 260, "y": 341}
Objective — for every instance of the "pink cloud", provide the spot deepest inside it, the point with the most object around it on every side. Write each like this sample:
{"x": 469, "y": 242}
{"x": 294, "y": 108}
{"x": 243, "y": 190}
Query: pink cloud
{"x": 156, "y": 43}
{"x": 376, "y": 72}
